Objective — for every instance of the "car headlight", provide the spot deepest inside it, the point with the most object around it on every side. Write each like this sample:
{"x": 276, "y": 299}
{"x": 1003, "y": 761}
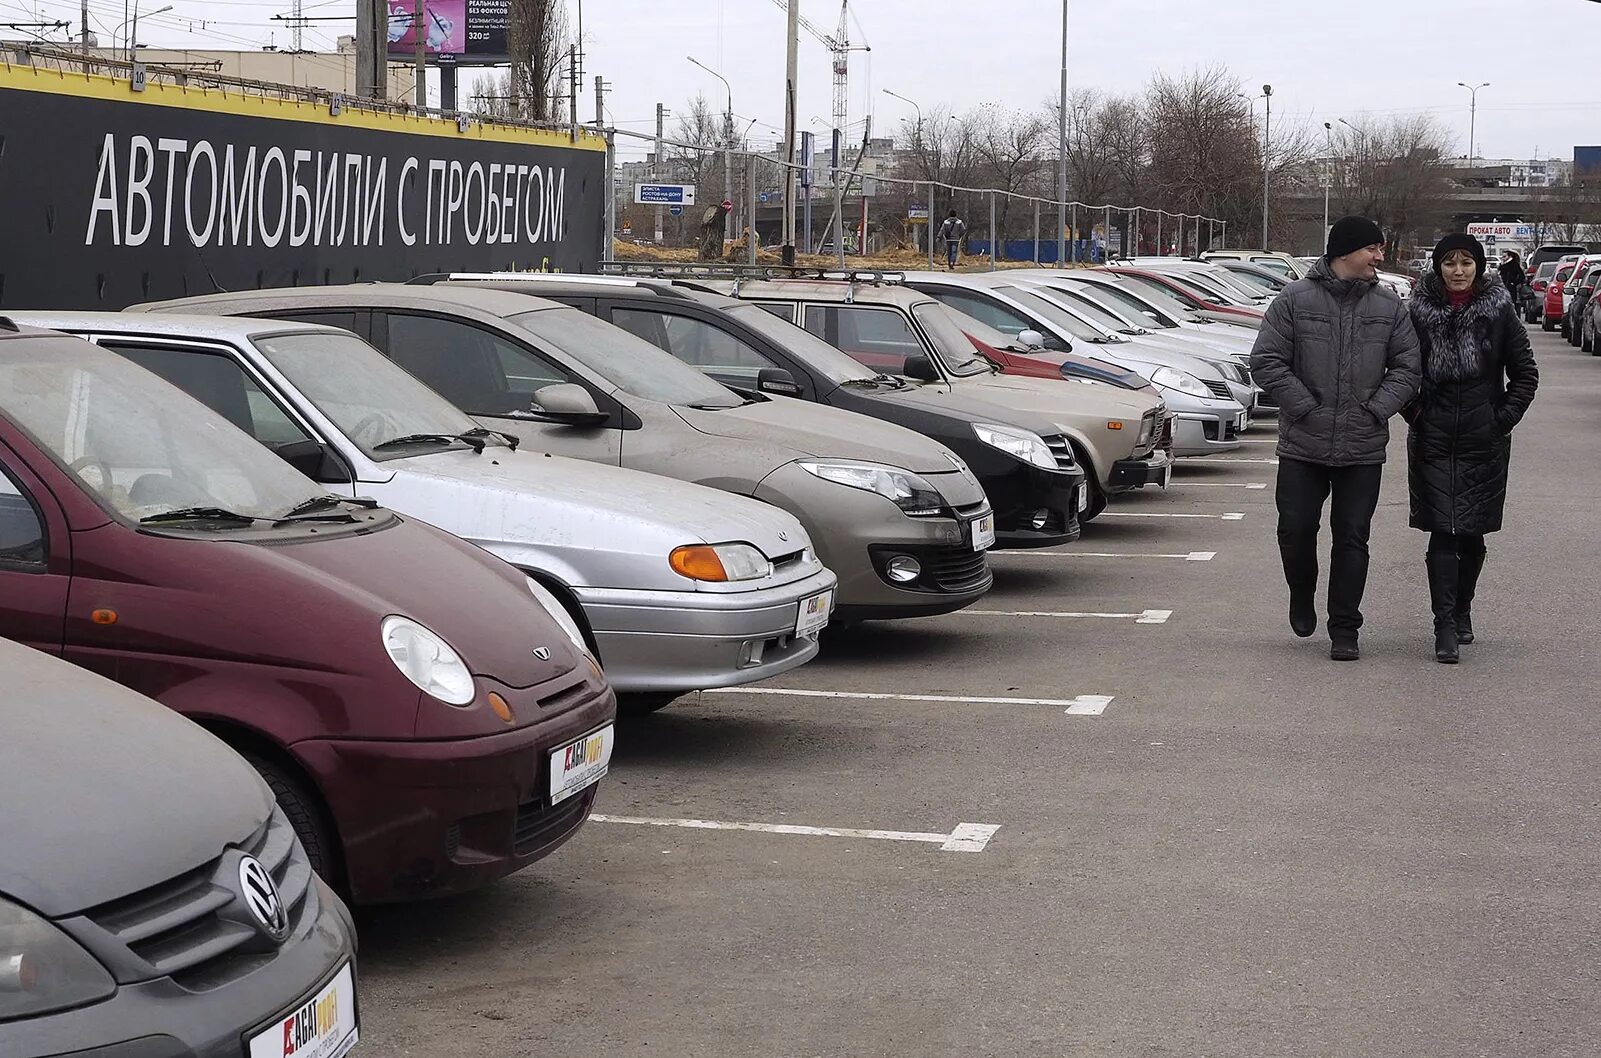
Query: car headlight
{"x": 1183, "y": 381}
{"x": 428, "y": 661}
{"x": 720, "y": 562}
{"x": 42, "y": 969}
{"x": 908, "y": 491}
{"x": 1029, "y": 447}
{"x": 559, "y": 614}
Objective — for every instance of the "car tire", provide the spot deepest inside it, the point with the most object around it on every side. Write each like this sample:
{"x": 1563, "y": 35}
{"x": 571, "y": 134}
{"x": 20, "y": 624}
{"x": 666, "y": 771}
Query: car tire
{"x": 305, "y": 814}
{"x": 644, "y": 704}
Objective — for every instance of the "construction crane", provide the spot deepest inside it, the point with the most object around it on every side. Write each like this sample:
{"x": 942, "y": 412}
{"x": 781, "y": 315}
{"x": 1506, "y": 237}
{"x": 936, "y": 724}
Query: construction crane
{"x": 839, "y": 43}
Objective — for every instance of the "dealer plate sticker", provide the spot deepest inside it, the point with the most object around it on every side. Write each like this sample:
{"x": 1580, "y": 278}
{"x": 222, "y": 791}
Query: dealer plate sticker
{"x": 579, "y": 765}
{"x": 1083, "y": 498}
{"x": 323, "y": 1027}
{"x": 814, "y": 614}
{"x": 984, "y": 533}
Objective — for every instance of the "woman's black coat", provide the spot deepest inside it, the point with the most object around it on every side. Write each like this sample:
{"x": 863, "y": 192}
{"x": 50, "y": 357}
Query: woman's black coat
{"x": 1479, "y": 378}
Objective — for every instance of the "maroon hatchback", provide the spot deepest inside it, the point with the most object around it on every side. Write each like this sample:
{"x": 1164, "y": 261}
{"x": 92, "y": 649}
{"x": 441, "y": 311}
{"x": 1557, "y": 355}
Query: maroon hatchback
{"x": 426, "y": 723}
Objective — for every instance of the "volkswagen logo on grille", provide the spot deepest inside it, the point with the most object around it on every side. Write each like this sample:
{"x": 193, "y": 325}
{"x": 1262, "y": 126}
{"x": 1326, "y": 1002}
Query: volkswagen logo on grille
{"x": 261, "y": 896}
{"x": 542, "y": 653}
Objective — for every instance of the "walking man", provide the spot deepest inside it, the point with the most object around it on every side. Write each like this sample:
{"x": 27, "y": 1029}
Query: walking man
{"x": 952, "y": 231}
{"x": 1339, "y": 356}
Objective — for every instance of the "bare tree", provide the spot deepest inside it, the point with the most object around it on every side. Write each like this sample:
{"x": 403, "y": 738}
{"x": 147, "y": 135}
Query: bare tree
{"x": 1009, "y": 153}
{"x": 537, "y": 37}
{"x": 1393, "y": 172}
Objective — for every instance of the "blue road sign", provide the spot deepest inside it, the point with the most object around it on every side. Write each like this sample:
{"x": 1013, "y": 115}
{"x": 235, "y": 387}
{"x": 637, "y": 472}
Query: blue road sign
{"x": 665, "y": 194}
{"x": 677, "y": 211}
{"x": 764, "y": 196}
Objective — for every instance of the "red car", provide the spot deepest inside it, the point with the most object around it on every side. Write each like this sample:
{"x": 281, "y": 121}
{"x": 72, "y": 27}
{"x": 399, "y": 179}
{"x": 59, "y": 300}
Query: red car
{"x": 1551, "y": 314}
{"x": 1189, "y": 297}
{"x": 425, "y": 722}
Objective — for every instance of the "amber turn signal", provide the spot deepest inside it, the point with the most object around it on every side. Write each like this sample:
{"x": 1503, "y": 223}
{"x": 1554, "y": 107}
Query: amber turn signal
{"x": 104, "y": 617}
{"x": 1114, "y": 426}
{"x": 697, "y": 562}
{"x": 501, "y": 707}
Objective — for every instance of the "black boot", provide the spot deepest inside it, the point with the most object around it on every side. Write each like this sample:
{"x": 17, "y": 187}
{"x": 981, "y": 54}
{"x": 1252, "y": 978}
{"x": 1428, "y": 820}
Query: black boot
{"x": 1467, "y": 580}
{"x": 1443, "y": 570}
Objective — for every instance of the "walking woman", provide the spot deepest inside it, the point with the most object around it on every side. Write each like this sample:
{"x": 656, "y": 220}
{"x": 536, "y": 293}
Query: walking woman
{"x": 1479, "y": 378}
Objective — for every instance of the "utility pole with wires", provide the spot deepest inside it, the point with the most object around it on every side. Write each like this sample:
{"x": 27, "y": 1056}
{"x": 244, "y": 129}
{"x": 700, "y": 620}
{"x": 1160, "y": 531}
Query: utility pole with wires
{"x": 791, "y": 74}
{"x": 574, "y": 86}
{"x": 656, "y": 169}
{"x": 419, "y": 33}
{"x": 84, "y": 36}
{"x": 601, "y": 88}
{"x": 297, "y": 21}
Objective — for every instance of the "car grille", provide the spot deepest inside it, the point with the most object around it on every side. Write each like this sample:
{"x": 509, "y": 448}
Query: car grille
{"x": 539, "y": 824}
{"x": 784, "y": 563}
{"x": 1061, "y": 451}
{"x": 178, "y": 930}
{"x": 1148, "y": 432}
{"x": 1165, "y": 442}
{"x": 957, "y": 569}
{"x": 1219, "y": 388}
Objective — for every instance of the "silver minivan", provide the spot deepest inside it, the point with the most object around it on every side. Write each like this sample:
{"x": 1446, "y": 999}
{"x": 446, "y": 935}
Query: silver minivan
{"x": 675, "y": 587}
{"x": 898, "y": 517}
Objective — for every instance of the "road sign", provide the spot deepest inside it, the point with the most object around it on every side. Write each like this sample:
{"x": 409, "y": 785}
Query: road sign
{"x": 764, "y": 197}
{"x": 677, "y": 211}
{"x": 1516, "y": 232}
{"x": 665, "y": 194}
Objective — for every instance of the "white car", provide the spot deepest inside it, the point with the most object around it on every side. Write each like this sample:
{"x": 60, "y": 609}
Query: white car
{"x": 677, "y": 587}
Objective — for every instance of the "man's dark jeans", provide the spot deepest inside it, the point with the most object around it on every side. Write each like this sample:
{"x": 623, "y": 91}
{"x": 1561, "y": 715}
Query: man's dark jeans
{"x": 1302, "y": 490}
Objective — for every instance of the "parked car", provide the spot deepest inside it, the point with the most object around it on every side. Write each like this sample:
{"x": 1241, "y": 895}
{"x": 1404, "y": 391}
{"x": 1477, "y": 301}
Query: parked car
{"x": 1204, "y": 303}
{"x": 427, "y": 722}
{"x": 1552, "y": 252}
{"x": 1282, "y": 263}
{"x": 673, "y": 587}
{"x": 1025, "y": 465}
{"x": 1590, "y": 326}
{"x": 1539, "y": 282}
{"x": 1209, "y": 278}
{"x": 900, "y": 519}
{"x": 1554, "y": 301}
{"x": 1580, "y": 292}
{"x": 153, "y": 898}
{"x": 1264, "y": 280}
{"x": 1209, "y": 415}
{"x": 1570, "y": 293}
{"x": 1115, "y": 434}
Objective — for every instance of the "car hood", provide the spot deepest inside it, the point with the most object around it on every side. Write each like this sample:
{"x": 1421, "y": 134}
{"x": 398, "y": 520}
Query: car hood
{"x": 963, "y": 405}
{"x": 584, "y": 523}
{"x": 1062, "y": 401}
{"x": 1141, "y": 355}
{"x": 818, "y": 431}
{"x": 109, "y": 792}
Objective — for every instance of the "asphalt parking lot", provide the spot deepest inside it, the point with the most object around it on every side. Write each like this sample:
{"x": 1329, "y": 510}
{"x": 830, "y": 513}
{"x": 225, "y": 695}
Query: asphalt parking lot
{"x": 1114, "y": 809}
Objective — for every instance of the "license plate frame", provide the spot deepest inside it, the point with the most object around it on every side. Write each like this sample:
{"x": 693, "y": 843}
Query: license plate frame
{"x": 270, "y": 1037}
{"x": 983, "y": 532}
{"x": 565, "y": 779}
{"x": 810, "y": 620}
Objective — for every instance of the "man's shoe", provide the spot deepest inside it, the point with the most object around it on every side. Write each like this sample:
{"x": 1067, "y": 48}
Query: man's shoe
{"x": 1303, "y": 617}
{"x": 1345, "y": 650}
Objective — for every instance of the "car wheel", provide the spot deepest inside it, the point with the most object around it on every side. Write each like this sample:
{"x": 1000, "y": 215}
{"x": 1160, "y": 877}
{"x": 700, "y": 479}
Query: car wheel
{"x": 305, "y": 814}
{"x": 644, "y": 704}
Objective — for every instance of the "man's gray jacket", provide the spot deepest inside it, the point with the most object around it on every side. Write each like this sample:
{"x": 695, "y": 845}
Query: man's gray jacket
{"x": 1339, "y": 357}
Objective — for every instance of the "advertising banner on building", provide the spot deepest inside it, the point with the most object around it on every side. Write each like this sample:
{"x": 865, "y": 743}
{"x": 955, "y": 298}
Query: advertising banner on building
{"x": 114, "y": 197}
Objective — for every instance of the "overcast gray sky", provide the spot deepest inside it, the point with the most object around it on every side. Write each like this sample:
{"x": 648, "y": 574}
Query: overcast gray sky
{"x": 1324, "y": 59}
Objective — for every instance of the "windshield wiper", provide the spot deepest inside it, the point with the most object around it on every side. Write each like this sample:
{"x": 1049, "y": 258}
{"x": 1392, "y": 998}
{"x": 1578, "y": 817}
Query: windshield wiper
{"x": 512, "y": 440}
{"x": 301, "y": 512}
{"x": 475, "y": 443}
{"x": 199, "y": 514}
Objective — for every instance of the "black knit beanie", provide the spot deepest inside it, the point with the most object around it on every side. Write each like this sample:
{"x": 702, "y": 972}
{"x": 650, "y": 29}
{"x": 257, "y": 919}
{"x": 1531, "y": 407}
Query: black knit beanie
{"x": 1350, "y": 234}
{"x": 1460, "y": 241}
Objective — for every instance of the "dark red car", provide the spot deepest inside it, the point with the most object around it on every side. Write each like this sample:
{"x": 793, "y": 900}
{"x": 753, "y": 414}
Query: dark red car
{"x": 1212, "y": 309}
{"x": 426, "y": 724}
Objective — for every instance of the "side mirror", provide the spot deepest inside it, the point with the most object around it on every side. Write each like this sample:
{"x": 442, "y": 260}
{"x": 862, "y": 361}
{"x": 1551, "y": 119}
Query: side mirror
{"x": 921, "y": 368}
{"x": 777, "y": 381}
{"x": 315, "y": 460}
{"x": 567, "y": 403}
{"x": 1031, "y": 339}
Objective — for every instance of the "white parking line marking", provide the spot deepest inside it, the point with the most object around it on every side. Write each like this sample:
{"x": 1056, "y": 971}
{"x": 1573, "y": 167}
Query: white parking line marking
{"x": 1188, "y": 556}
{"x": 1144, "y": 617}
{"x": 966, "y": 837}
{"x": 1230, "y": 459}
{"x": 1235, "y": 516}
{"x": 1083, "y": 705}
{"x": 1254, "y": 486}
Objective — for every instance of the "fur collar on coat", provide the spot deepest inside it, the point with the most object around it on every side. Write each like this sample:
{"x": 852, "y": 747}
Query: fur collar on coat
{"x": 1456, "y": 342}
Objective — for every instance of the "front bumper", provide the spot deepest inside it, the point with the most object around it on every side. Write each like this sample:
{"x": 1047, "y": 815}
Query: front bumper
{"x": 656, "y": 641}
{"x": 853, "y": 531}
{"x": 161, "y": 1019}
{"x": 1196, "y": 435}
{"x": 1021, "y": 497}
{"x": 1130, "y": 474}
{"x": 430, "y": 818}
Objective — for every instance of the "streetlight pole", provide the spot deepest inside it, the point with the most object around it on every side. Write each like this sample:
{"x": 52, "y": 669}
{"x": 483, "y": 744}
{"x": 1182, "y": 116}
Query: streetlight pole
{"x": 1267, "y": 148}
{"x": 931, "y": 173}
{"x": 1328, "y": 175}
{"x": 1061, "y": 160}
{"x": 1473, "y": 116}
{"x": 791, "y": 74}
{"x": 728, "y": 140}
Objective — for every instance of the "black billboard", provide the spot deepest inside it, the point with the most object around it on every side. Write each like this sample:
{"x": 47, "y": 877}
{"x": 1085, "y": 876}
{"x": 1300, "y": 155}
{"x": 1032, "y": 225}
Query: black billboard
{"x": 110, "y": 197}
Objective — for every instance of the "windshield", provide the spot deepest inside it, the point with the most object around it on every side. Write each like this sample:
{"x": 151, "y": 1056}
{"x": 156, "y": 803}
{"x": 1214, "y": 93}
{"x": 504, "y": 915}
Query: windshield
{"x": 1259, "y": 282}
{"x": 1202, "y": 289}
{"x": 1079, "y": 329}
{"x": 1098, "y": 314}
{"x": 818, "y": 354}
{"x": 1231, "y": 284}
{"x": 1132, "y": 306}
{"x": 955, "y": 347}
{"x": 372, "y": 401}
{"x": 631, "y": 364}
{"x": 142, "y": 446}
{"x": 1160, "y": 295}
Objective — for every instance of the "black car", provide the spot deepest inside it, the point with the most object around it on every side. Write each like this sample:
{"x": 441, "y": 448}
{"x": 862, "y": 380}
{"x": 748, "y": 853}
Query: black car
{"x": 1036, "y": 491}
{"x": 1579, "y": 304}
